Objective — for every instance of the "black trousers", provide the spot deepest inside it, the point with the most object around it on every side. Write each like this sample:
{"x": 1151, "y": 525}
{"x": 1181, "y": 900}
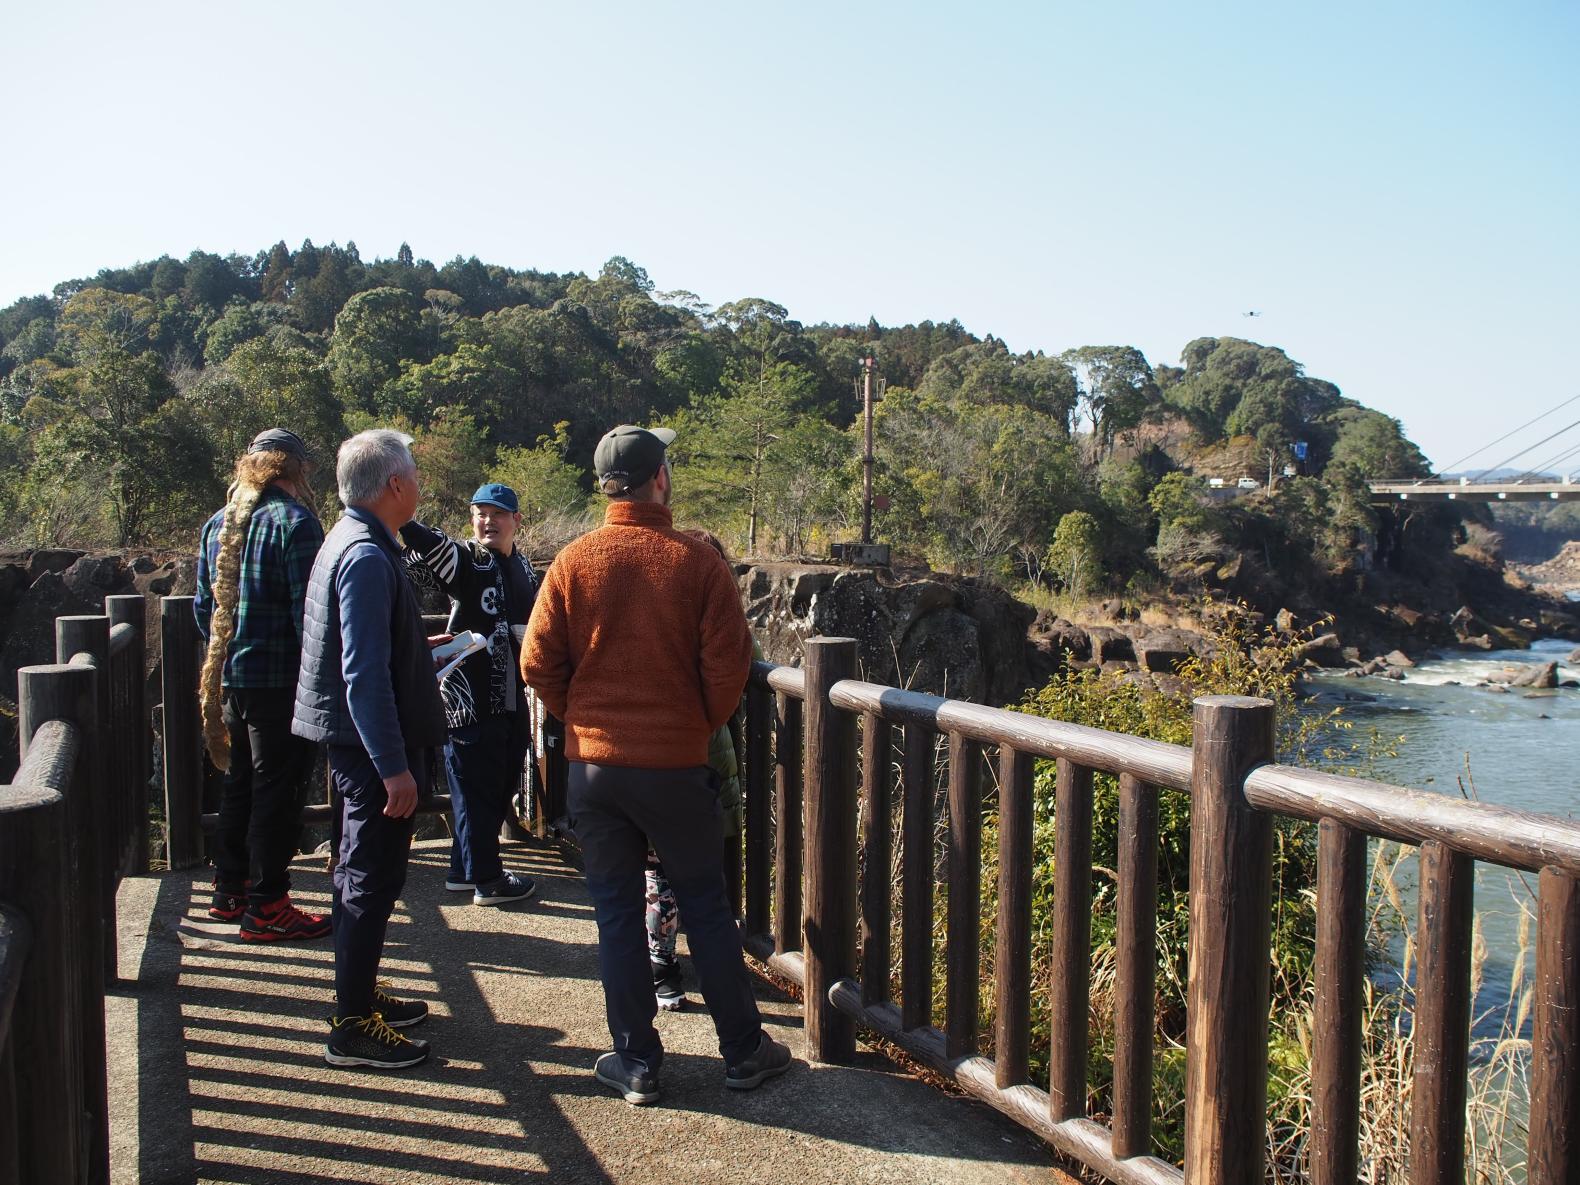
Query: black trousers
{"x": 370, "y": 872}
{"x": 483, "y": 764}
{"x": 260, "y": 807}
{"x": 616, "y": 813}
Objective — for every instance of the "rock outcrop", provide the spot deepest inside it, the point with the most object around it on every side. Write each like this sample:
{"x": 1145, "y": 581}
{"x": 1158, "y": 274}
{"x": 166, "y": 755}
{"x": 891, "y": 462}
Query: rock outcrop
{"x": 945, "y": 635}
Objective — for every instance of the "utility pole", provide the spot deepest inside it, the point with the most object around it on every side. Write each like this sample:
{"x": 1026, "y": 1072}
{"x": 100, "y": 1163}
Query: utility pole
{"x": 867, "y": 365}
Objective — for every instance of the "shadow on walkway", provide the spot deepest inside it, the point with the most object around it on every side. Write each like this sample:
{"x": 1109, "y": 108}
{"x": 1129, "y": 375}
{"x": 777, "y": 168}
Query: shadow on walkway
{"x": 217, "y": 1074}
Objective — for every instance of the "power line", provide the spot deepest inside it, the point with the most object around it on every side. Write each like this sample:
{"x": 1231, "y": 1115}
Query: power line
{"x": 1547, "y": 464}
{"x": 1526, "y": 449}
{"x": 1505, "y": 436}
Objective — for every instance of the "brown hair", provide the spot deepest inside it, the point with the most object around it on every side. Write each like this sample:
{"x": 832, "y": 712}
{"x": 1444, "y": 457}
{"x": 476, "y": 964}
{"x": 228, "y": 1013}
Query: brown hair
{"x": 254, "y": 473}
{"x": 710, "y": 539}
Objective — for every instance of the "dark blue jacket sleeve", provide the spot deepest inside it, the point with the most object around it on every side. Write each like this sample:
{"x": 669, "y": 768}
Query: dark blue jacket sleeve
{"x": 365, "y": 586}
{"x": 203, "y": 602}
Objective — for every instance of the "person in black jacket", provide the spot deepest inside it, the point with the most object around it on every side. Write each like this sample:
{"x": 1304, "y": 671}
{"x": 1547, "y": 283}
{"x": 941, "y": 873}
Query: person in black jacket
{"x": 491, "y": 587}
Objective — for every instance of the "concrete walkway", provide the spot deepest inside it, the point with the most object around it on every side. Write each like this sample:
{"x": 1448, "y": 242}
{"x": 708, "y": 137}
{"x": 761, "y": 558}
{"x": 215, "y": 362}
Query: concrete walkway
{"x": 217, "y": 1074}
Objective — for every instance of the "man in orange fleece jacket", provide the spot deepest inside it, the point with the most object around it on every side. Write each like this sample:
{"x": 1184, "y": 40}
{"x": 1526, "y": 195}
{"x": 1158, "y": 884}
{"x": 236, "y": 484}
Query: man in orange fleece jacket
{"x": 639, "y": 643}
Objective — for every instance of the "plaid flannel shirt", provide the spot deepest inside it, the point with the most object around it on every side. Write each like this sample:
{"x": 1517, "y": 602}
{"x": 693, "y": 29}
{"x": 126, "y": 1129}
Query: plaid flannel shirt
{"x": 283, "y": 538}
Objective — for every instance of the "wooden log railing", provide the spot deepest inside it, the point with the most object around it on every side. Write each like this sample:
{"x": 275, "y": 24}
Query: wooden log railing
{"x": 1236, "y": 792}
{"x": 72, "y": 824}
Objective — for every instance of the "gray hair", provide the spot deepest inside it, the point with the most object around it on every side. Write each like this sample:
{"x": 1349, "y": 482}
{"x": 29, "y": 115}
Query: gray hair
{"x": 368, "y": 460}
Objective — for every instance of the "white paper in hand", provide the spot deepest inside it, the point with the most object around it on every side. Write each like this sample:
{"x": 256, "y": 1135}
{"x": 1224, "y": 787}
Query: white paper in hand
{"x": 456, "y": 651}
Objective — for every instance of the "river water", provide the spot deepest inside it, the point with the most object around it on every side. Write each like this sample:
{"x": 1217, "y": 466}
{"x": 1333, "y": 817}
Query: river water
{"x": 1511, "y": 748}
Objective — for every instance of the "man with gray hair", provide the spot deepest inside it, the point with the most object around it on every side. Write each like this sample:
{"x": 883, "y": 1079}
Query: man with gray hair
{"x": 367, "y": 691}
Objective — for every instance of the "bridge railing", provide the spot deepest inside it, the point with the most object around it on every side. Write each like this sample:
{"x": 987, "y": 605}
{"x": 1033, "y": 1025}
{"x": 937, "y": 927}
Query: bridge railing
{"x": 72, "y": 823}
{"x": 810, "y": 823}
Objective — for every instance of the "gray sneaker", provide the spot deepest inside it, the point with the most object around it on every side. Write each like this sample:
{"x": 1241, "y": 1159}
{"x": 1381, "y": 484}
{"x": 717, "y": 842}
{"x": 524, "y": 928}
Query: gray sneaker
{"x": 770, "y": 1059}
{"x": 503, "y": 891}
{"x": 637, "y": 1087}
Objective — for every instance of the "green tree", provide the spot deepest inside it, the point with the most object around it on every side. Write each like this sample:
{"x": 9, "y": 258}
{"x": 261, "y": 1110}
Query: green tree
{"x": 375, "y": 332}
{"x": 1375, "y": 444}
{"x": 546, "y": 483}
{"x": 1116, "y": 391}
{"x": 731, "y": 444}
{"x": 1075, "y": 557}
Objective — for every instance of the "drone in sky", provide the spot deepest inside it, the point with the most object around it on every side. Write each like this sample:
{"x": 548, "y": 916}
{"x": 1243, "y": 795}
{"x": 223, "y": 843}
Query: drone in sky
{"x": 1252, "y": 313}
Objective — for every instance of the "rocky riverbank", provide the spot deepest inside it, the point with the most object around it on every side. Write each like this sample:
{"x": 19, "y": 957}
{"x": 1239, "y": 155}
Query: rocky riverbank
{"x": 970, "y": 639}
{"x": 942, "y": 634}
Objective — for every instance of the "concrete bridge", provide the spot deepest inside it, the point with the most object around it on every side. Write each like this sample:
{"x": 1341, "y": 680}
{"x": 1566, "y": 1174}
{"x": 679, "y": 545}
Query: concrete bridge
{"x": 1389, "y": 493}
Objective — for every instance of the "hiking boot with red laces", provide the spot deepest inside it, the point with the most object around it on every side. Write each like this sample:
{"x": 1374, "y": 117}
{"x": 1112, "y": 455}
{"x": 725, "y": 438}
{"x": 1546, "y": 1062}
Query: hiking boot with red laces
{"x": 280, "y": 921}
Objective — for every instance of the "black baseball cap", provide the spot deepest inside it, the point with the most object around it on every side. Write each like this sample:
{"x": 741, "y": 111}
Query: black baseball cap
{"x": 279, "y": 440}
{"x": 628, "y": 457}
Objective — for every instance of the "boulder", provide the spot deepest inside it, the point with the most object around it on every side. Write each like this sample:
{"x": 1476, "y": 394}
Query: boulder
{"x": 1110, "y": 645}
{"x": 1284, "y": 621}
{"x": 31, "y": 637}
{"x": 1325, "y": 650}
{"x": 1065, "y": 637}
{"x": 941, "y": 634}
{"x": 173, "y": 578}
{"x": 1480, "y": 642}
{"x": 94, "y": 577}
{"x": 1574, "y": 657}
{"x": 51, "y": 559}
{"x": 1166, "y": 650}
{"x": 1398, "y": 658}
{"x": 1533, "y": 675}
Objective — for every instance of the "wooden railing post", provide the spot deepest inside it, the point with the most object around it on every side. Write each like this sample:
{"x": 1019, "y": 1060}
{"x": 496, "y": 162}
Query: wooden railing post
{"x": 877, "y": 741}
{"x": 759, "y": 827}
{"x": 1071, "y": 991}
{"x": 183, "y": 733}
{"x": 1012, "y": 937}
{"x": 830, "y": 797}
{"x": 132, "y": 610}
{"x": 1442, "y": 1015}
{"x": 1336, "y": 1016}
{"x": 1231, "y": 853}
{"x": 1135, "y": 967}
{"x": 963, "y": 907}
{"x": 90, "y": 635}
{"x": 916, "y": 879}
{"x": 789, "y": 809}
{"x": 1554, "y": 1157}
{"x": 33, "y": 862}
{"x": 67, "y": 693}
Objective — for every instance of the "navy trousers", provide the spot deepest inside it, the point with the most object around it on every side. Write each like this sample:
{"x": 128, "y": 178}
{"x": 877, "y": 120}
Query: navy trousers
{"x": 260, "y": 806}
{"x": 370, "y": 874}
{"x": 483, "y": 764}
{"x": 616, "y": 812}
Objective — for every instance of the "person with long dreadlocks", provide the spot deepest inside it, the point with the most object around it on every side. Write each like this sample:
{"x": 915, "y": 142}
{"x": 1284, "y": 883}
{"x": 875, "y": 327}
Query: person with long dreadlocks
{"x": 256, "y": 557}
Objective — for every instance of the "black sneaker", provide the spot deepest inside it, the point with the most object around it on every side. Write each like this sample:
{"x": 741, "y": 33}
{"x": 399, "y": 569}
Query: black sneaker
{"x": 504, "y": 890}
{"x": 227, "y": 906}
{"x": 667, "y": 987}
{"x": 637, "y": 1088}
{"x": 770, "y": 1059}
{"x": 370, "y": 1041}
{"x": 398, "y": 1014}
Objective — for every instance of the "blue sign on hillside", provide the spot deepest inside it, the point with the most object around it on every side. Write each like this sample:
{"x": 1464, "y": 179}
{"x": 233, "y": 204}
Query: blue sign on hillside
{"x": 1300, "y": 450}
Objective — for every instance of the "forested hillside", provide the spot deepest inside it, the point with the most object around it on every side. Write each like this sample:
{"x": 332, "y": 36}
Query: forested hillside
{"x": 125, "y": 397}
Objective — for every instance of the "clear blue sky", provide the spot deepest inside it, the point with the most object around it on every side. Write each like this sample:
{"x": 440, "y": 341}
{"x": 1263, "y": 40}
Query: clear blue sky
{"x": 1396, "y": 187}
